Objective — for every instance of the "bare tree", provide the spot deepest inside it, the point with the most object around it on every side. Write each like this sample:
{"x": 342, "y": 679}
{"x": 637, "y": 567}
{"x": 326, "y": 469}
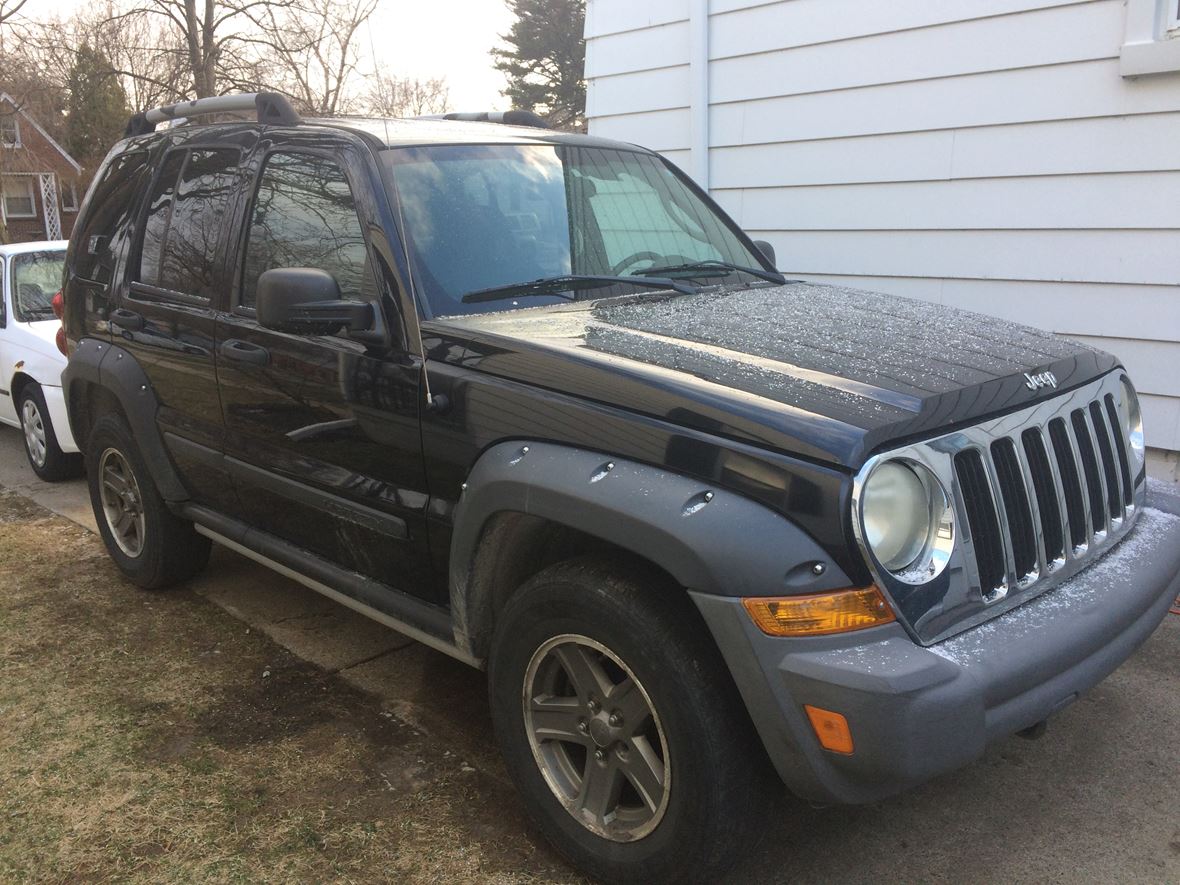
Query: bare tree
{"x": 313, "y": 47}
{"x": 391, "y": 96}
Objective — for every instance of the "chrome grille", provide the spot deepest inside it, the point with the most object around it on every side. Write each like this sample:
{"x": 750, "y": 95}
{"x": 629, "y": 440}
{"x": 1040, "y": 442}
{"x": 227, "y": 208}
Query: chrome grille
{"x": 1038, "y": 494}
{"x": 1017, "y": 490}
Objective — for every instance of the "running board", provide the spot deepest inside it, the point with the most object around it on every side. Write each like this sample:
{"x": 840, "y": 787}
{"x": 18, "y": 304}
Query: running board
{"x": 399, "y": 611}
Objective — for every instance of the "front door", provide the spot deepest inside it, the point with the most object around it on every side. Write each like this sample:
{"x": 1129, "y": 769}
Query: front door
{"x": 323, "y": 430}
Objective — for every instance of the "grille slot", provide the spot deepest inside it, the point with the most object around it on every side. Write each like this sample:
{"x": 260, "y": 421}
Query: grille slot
{"x": 1114, "y": 499}
{"x": 1075, "y": 503}
{"x": 1120, "y": 446}
{"x": 1090, "y": 470}
{"x": 1016, "y": 506}
{"x": 1045, "y": 489}
{"x": 982, "y": 519}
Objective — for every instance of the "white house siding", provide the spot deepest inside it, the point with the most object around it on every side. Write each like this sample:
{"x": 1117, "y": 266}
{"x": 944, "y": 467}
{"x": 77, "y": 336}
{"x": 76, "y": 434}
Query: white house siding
{"x": 982, "y": 153}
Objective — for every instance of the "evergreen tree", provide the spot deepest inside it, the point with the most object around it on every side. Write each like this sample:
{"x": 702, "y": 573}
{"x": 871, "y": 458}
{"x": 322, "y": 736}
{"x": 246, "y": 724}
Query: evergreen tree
{"x": 545, "y": 60}
{"x": 97, "y": 107}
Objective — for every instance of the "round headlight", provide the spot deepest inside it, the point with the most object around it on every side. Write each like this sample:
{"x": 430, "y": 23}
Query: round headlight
{"x": 1132, "y": 421}
{"x": 907, "y": 521}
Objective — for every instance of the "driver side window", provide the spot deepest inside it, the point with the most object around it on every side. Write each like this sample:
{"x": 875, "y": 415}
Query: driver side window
{"x": 304, "y": 216}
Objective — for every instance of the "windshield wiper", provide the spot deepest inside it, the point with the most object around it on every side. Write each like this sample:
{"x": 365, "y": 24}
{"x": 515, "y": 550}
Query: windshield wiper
{"x": 715, "y": 267}
{"x": 570, "y": 282}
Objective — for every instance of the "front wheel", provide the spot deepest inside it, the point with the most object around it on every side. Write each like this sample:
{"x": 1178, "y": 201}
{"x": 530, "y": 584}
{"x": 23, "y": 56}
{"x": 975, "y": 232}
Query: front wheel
{"x": 46, "y": 458}
{"x": 621, "y": 726}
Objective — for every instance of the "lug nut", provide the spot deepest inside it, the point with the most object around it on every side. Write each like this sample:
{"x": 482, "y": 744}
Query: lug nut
{"x": 615, "y": 720}
{"x": 594, "y": 706}
{"x": 600, "y": 755}
{"x": 582, "y": 726}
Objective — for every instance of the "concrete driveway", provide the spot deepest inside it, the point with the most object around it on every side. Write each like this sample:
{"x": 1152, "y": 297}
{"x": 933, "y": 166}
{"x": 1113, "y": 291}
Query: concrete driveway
{"x": 1096, "y": 800}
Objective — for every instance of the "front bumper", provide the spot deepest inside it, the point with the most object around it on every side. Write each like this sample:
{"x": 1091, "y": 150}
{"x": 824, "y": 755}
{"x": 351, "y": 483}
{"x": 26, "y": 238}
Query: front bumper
{"x": 918, "y": 712}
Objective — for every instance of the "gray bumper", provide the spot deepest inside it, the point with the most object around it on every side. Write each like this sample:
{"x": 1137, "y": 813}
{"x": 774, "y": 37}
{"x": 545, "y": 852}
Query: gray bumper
{"x": 918, "y": 712}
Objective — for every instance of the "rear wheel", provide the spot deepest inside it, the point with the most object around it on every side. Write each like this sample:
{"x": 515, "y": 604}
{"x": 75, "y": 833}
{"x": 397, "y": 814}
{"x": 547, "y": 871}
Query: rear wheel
{"x": 46, "y": 458}
{"x": 622, "y": 728}
{"x": 151, "y": 545}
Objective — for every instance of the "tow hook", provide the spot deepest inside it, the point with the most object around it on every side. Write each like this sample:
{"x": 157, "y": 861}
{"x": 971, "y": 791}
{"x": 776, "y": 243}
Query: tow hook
{"x": 1034, "y": 732}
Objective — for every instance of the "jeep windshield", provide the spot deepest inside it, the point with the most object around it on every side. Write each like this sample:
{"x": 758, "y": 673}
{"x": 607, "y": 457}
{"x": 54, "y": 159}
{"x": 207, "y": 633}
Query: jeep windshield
{"x": 482, "y": 218}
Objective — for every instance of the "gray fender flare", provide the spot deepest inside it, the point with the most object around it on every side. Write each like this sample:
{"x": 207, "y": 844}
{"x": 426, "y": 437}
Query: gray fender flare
{"x": 115, "y": 370}
{"x": 710, "y": 540}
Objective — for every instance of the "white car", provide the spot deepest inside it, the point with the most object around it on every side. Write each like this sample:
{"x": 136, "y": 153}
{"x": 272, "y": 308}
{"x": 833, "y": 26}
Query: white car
{"x": 30, "y": 361}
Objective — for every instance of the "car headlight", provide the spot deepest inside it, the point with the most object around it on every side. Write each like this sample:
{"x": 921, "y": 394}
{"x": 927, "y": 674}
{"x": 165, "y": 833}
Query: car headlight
{"x": 1132, "y": 421}
{"x": 907, "y": 521}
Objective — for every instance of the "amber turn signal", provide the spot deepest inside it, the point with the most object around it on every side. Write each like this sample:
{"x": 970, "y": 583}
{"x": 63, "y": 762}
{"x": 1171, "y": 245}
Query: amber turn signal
{"x": 823, "y": 613}
{"x": 831, "y": 729}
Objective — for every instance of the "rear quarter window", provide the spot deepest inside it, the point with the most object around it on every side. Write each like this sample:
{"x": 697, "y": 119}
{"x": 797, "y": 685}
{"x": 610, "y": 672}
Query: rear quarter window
{"x": 104, "y": 226}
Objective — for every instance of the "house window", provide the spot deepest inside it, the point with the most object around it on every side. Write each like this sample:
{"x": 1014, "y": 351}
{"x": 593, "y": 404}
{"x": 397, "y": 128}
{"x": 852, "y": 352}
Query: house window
{"x": 9, "y": 131}
{"x": 69, "y": 196}
{"x": 1151, "y": 43}
{"x": 19, "y": 201}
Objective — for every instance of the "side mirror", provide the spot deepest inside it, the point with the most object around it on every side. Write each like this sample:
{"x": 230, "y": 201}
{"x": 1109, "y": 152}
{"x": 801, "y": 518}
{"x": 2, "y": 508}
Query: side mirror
{"x": 306, "y": 301}
{"x": 767, "y": 250}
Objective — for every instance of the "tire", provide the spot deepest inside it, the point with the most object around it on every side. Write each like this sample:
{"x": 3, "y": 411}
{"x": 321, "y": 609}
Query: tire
{"x": 705, "y": 775}
{"x": 152, "y": 546}
{"x": 45, "y": 456}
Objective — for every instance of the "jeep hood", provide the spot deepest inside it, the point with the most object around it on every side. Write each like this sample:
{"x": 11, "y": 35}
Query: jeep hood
{"x": 823, "y": 372}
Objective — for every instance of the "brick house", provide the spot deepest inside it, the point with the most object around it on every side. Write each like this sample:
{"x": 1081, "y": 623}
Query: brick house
{"x": 40, "y": 182}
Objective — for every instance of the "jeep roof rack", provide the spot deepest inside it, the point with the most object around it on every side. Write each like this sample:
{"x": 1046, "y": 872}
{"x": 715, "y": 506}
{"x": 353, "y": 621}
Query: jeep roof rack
{"x": 272, "y": 109}
{"x": 509, "y": 118}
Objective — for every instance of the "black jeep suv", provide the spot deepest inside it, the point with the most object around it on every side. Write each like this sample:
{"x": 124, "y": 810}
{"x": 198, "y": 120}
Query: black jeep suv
{"x": 532, "y": 399}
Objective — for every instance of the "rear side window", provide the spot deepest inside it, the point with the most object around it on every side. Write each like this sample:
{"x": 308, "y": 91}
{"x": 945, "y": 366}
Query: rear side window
{"x": 104, "y": 225}
{"x": 185, "y": 220}
{"x": 304, "y": 216}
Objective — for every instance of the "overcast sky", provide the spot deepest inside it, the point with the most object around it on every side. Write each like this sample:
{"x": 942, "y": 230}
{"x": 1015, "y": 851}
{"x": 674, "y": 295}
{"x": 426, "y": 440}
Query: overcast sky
{"x": 414, "y": 38}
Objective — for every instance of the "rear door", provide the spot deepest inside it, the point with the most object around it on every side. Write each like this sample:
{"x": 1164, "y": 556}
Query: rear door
{"x": 322, "y": 437}
{"x": 165, "y": 318}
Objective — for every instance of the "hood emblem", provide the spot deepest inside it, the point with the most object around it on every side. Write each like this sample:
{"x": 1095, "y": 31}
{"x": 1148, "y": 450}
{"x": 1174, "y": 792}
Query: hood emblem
{"x": 1039, "y": 380}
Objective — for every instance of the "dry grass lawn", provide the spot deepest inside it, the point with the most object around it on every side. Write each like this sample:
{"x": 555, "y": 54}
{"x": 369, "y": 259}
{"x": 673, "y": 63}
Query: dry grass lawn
{"x": 152, "y": 737}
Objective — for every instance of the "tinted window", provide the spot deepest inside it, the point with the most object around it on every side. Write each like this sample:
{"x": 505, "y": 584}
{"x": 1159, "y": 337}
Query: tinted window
{"x": 159, "y": 213}
{"x": 103, "y": 227}
{"x": 304, "y": 216}
{"x": 186, "y": 217}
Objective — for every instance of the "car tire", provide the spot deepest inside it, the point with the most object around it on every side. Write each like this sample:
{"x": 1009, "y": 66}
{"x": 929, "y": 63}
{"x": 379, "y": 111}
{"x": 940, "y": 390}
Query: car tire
{"x": 688, "y": 779}
{"x": 152, "y": 546}
{"x": 45, "y": 456}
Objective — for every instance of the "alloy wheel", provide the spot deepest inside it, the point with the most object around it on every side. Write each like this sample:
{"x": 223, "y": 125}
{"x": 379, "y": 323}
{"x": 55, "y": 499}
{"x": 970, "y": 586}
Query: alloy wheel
{"x": 34, "y": 427}
{"x": 597, "y": 738}
{"x": 122, "y": 504}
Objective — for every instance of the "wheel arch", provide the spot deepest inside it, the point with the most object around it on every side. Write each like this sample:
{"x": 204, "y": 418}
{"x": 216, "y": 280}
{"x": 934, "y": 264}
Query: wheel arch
{"x": 102, "y": 378}
{"x": 527, "y": 505}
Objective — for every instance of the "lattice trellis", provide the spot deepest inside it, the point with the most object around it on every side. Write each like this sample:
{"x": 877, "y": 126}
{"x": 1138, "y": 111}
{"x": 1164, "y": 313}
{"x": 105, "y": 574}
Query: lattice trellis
{"x": 52, "y": 209}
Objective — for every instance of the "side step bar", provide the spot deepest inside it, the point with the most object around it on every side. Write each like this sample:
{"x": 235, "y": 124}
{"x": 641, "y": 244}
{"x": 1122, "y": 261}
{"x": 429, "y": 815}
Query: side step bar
{"x": 421, "y": 621}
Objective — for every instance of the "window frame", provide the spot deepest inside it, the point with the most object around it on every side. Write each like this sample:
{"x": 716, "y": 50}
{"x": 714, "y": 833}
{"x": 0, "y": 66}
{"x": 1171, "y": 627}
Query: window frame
{"x": 16, "y": 142}
{"x": 72, "y": 189}
{"x": 1151, "y": 42}
{"x": 148, "y": 292}
{"x": 344, "y": 158}
{"x": 32, "y": 193}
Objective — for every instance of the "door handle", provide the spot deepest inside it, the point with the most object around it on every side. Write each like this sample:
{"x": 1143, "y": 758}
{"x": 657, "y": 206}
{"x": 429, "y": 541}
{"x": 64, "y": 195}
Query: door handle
{"x": 244, "y": 352}
{"x": 128, "y": 319}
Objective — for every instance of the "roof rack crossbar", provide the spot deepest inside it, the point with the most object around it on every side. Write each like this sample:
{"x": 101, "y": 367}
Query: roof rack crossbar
{"x": 271, "y": 108}
{"x": 510, "y": 118}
